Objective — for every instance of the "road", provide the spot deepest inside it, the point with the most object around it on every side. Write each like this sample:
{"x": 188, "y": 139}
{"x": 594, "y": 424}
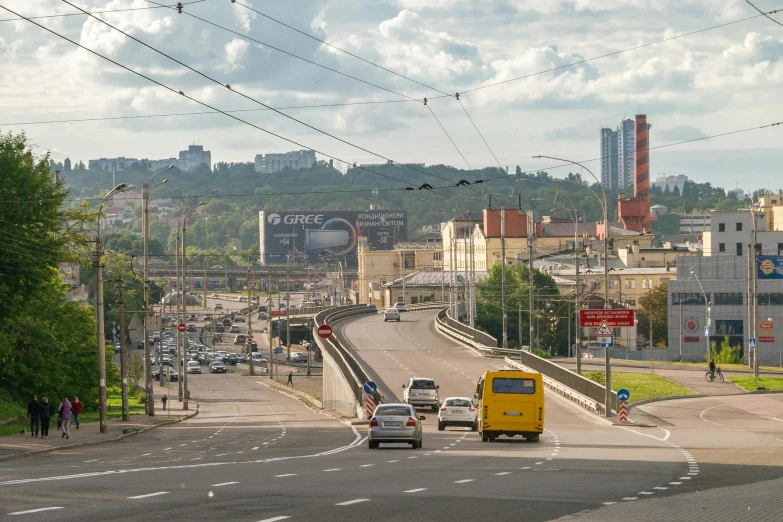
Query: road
{"x": 255, "y": 454}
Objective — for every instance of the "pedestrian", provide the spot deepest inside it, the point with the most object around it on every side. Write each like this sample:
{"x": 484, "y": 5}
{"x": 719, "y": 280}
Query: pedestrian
{"x": 47, "y": 410}
{"x": 290, "y": 378}
{"x": 60, "y": 415}
{"x": 164, "y": 399}
{"x": 77, "y": 410}
{"x": 308, "y": 371}
{"x": 34, "y": 414}
{"x": 65, "y": 415}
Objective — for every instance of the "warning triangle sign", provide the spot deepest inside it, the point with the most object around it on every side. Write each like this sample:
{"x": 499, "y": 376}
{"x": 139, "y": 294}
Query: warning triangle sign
{"x": 604, "y": 329}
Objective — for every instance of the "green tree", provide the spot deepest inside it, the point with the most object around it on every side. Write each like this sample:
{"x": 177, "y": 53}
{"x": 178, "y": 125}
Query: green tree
{"x": 657, "y": 299}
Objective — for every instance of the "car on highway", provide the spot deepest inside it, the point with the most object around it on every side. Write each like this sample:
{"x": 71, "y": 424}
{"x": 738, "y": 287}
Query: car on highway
{"x": 391, "y": 314}
{"x": 117, "y": 348}
{"x": 191, "y": 328}
{"x": 239, "y": 318}
{"x": 234, "y": 329}
{"x": 166, "y": 361}
{"x": 218, "y": 306}
{"x": 400, "y": 307}
{"x": 240, "y": 338}
{"x": 217, "y": 267}
{"x": 259, "y": 359}
{"x": 395, "y": 423}
{"x": 229, "y": 359}
{"x": 300, "y": 357}
{"x": 238, "y": 356}
{"x": 194, "y": 367}
{"x": 208, "y": 317}
{"x": 262, "y": 316}
{"x": 219, "y": 328}
{"x": 217, "y": 367}
{"x": 457, "y": 411}
{"x": 227, "y": 322}
{"x": 192, "y": 317}
{"x": 512, "y": 403}
{"x": 421, "y": 392}
{"x": 253, "y": 346}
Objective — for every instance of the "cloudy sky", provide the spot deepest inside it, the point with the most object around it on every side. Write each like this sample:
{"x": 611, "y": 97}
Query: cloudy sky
{"x": 721, "y": 80}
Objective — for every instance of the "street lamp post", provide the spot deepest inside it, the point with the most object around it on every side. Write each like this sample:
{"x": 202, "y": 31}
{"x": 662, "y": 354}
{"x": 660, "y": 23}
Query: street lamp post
{"x": 104, "y": 428}
{"x": 149, "y": 404}
{"x": 608, "y": 352}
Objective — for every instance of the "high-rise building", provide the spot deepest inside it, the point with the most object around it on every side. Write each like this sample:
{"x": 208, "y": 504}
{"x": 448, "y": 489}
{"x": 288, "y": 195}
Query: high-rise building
{"x": 626, "y": 150}
{"x": 295, "y": 160}
{"x": 193, "y": 157}
{"x": 609, "y": 159}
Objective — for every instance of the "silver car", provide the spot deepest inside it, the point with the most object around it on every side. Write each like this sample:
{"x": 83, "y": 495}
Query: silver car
{"x": 422, "y": 393}
{"x": 395, "y": 423}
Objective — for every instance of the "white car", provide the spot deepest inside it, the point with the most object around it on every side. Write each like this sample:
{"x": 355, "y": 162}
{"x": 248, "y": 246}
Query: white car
{"x": 400, "y": 307}
{"x": 458, "y": 411}
{"x": 391, "y": 314}
{"x": 194, "y": 367}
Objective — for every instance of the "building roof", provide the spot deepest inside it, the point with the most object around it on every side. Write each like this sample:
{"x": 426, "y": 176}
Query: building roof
{"x": 599, "y": 271}
{"x": 419, "y": 245}
{"x": 566, "y": 229}
{"x": 430, "y": 278}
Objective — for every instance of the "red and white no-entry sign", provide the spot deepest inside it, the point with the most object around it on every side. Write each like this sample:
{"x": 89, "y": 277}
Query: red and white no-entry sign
{"x": 324, "y": 331}
{"x": 181, "y": 327}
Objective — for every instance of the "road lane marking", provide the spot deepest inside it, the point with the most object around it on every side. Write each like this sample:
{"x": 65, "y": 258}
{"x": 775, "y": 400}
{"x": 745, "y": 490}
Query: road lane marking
{"x": 609, "y": 503}
{"x": 463, "y": 481}
{"x": 333, "y": 469}
{"x": 411, "y": 457}
{"x": 35, "y": 510}
{"x": 274, "y": 519}
{"x": 392, "y": 461}
{"x": 223, "y": 484}
{"x": 166, "y": 449}
{"x": 675, "y": 483}
{"x": 255, "y": 448}
{"x": 151, "y": 494}
{"x": 630, "y": 498}
{"x": 503, "y": 473}
{"x": 415, "y": 490}
{"x": 660, "y": 488}
{"x": 93, "y": 460}
{"x": 366, "y": 465}
{"x": 539, "y": 463}
{"x": 146, "y": 454}
{"x": 286, "y": 475}
{"x": 354, "y": 501}
{"x": 646, "y": 492}
{"x": 684, "y": 478}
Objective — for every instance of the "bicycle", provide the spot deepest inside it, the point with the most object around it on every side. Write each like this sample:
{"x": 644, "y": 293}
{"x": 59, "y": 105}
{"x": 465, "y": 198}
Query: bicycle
{"x": 710, "y": 376}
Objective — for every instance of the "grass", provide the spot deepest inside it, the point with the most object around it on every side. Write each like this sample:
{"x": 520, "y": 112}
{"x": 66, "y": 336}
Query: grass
{"x": 642, "y": 386}
{"x": 14, "y": 415}
{"x": 699, "y": 365}
{"x": 765, "y": 383}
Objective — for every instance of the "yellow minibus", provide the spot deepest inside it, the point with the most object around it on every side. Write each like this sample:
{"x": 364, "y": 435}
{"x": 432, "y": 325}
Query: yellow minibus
{"x": 510, "y": 403}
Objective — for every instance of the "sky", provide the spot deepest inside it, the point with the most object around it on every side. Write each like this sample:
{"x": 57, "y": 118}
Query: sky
{"x": 717, "y": 81}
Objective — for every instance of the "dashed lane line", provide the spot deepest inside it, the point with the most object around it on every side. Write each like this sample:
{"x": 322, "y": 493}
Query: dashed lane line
{"x": 286, "y": 475}
{"x": 415, "y": 490}
{"x": 463, "y": 481}
{"x": 156, "y": 494}
{"x": 333, "y": 469}
{"x": 275, "y": 519}
{"x": 354, "y": 501}
{"x": 223, "y": 484}
{"x": 38, "y": 510}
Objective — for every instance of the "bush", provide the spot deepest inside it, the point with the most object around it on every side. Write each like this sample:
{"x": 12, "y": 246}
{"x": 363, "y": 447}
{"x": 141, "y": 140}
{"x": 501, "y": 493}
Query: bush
{"x": 726, "y": 355}
{"x": 542, "y": 353}
{"x": 596, "y": 377}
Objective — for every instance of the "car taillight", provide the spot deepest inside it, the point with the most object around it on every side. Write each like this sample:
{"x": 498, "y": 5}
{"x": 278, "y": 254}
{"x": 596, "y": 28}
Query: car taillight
{"x": 443, "y": 408}
{"x": 373, "y": 422}
{"x": 471, "y": 409}
{"x": 411, "y": 422}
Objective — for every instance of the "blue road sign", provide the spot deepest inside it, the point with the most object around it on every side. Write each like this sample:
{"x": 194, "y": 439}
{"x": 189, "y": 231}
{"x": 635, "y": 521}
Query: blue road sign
{"x": 752, "y": 343}
{"x": 279, "y": 349}
{"x": 706, "y": 331}
{"x": 623, "y": 395}
{"x": 370, "y": 387}
{"x": 606, "y": 341}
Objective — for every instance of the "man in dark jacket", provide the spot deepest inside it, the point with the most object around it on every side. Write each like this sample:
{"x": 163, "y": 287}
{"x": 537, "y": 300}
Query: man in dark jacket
{"x": 34, "y": 414}
{"x": 47, "y": 410}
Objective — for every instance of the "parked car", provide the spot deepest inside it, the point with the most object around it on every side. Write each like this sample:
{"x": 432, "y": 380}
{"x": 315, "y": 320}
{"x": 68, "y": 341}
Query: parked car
{"x": 234, "y": 329}
{"x": 194, "y": 367}
{"x": 226, "y": 322}
{"x": 239, "y": 357}
{"x": 208, "y": 317}
{"x": 240, "y": 318}
{"x": 218, "y": 306}
{"x": 394, "y": 422}
{"x": 240, "y": 339}
{"x": 458, "y": 411}
{"x": 117, "y": 348}
{"x": 421, "y": 392}
{"x": 192, "y": 317}
{"x": 391, "y": 314}
{"x": 217, "y": 367}
{"x": 191, "y": 328}
{"x": 299, "y": 357}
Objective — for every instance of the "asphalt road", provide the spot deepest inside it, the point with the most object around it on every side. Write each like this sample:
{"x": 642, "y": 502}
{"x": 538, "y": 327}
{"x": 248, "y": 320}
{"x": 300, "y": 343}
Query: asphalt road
{"x": 255, "y": 454}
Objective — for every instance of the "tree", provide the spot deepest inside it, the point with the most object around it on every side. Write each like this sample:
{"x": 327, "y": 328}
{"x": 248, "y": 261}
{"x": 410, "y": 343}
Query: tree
{"x": 676, "y": 191}
{"x": 67, "y": 165}
{"x": 658, "y": 300}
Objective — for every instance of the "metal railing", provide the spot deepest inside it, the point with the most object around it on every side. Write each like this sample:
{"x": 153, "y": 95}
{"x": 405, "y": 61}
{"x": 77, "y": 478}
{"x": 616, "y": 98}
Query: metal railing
{"x": 478, "y": 339}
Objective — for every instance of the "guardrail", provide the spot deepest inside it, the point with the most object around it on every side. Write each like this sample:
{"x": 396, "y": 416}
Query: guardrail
{"x": 583, "y": 390}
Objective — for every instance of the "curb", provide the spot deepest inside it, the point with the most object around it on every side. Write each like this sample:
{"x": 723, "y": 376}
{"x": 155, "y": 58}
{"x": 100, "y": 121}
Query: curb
{"x": 305, "y": 399}
{"x": 33, "y": 453}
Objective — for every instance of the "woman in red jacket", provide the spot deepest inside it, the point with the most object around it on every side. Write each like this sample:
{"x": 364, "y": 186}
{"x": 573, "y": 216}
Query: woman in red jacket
{"x": 77, "y": 410}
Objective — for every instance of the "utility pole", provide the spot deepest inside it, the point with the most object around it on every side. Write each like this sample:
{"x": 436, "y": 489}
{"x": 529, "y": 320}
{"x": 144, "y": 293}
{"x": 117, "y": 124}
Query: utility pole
{"x": 149, "y": 403}
{"x": 519, "y": 304}
{"x": 531, "y": 232}
{"x": 402, "y": 252}
{"x": 183, "y": 372}
{"x": 269, "y": 320}
{"x": 101, "y": 336}
{"x": 755, "y": 303}
{"x": 681, "y": 297}
{"x": 123, "y": 352}
{"x": 180, "y": 316}
{"x": 249, "y": 342}
{"x": 652, "y": 359}
{"x": 204, "y": 284}
{"x": 503, "y": 274}
{"x": 288, "y": 311}
{"x": 577, "y": 337}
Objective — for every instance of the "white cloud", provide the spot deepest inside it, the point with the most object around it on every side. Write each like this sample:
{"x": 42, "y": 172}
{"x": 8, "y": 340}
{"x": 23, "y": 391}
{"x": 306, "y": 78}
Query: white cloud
{"x": 236, "y": 50}
{"x": 243, "y": 17}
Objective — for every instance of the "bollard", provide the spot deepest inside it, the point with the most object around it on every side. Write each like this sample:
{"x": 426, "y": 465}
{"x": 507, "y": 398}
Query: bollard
{"x": 623, "y": 412}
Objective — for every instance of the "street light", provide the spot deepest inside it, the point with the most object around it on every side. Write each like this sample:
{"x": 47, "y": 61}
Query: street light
{"x": 146, "y": 189}
{"x": 122, "y": 187}
{"x": 608, "y": 394}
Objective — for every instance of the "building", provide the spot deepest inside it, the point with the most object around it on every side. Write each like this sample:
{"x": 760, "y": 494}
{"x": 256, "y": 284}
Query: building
{"x": 295, "y": 160}
{"x": 112, "y": 164}
{"x": 192, "y": 158}
{"x": 694, "y": 223}
{"x": 664, "y": 182}
{"x": 156, "y": 165}
{"x": 634, "y": 212}
{"x": 610, "y": 160}
{"x": 422, "y": 287}
{"x": 731, "y": 232}
{"x": 626, "y": 137}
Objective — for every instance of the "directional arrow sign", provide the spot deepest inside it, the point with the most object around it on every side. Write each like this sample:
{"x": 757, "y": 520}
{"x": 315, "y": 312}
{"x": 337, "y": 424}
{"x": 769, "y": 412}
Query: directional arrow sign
{"x": 623, "y": 394}
{"x": 603, "y": 330}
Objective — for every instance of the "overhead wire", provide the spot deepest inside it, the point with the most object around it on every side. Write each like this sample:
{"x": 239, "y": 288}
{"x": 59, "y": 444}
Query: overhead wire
{"x": 206, "y": 76}
{"x": 159, "y": 6}
{"x": 763, "y": 13}
{"x": 171, "y": 89}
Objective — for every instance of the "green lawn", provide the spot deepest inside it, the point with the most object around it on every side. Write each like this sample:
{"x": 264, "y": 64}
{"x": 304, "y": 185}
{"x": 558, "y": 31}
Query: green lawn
{"x": 698, "y": 366}
{"x": 13, "y": 416}
{"x": 642, "y": 386}
{"x": 765, "y": 383}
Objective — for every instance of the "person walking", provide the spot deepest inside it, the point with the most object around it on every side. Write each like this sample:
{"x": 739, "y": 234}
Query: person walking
{"x": 164, "y": 400}
{"x": 290, "y": 379}
{"x": 77, "y": 410}
{"x": 47, "y": 410}
{"x": 34, "y": 414}
{"x": 65, "y": 416}
{"x": 308, "y": 371}
{"x": 60, "y": 415}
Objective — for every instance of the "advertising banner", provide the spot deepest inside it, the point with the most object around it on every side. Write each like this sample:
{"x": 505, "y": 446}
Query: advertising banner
{"x": 770, "y": 267}
{"x": 613, "y": 318}
{"x": 327, "y": 235}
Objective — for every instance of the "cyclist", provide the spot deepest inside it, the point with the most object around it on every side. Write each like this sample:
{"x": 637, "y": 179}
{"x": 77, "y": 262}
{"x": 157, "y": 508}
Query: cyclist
{"x": 712, "y": 367}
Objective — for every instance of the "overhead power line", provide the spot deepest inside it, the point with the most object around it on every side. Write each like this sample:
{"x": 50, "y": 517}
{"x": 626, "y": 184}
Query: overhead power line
{"x": 159, "y": 6}
{"x": 339, "y": 49}
{"x": 763, "y": 13}
{"x": 206, "y": 76}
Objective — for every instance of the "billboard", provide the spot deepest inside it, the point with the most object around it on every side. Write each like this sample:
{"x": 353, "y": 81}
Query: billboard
{"x": 770, "y": 267}
{"x": 328, "y": 235}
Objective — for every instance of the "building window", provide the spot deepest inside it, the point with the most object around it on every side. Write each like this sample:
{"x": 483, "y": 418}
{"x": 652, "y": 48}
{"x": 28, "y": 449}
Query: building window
{"x": 721, "y": 247}
{"x": 721, "y": 227}
{"x": 688, "y": 298}
{"x": 663, "y": 280}
{"x": 630, "y": 284}
{"x": 631, "y": 302}
{"x": 771, "y": 299}
{"x": 739, "y": 249}
{"x": 729, "y": 327}
{"x": 614, "y": 284}
{"x": 780, "y": 248}
{"x": 727, "y": 298}
{"x": 739, "y": 227}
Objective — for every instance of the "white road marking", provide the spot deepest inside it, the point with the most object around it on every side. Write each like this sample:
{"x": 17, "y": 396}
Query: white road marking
{"x": 526, "y": 467}
{"x": 93, "y": 460}
{"x": 463, "y": 481}
{"x": 675, "y": 483}
{"x": 411, "y": 457}
{"x": 274, "y": 519}
{"x": 286, "y": 475}
{"x": 366, "y": 465}
{"x": 415, "y": 490}
{"x": 630, "y": 498}
{"x": 660, "y": 488}
{"x": 503, "y": 473}
{"x": 146, "y": 454}
{"x": 392, "y": 461}
{"x": 333, "y": 469}
{"x": 151, "y": 494}
{"x": 166, "y": 449}
{"x": 223, "y": 484}
{"x": 685, "y": 478}
{"x": 609, "y": 503}
{"x": 355, "y": 501}
{"x": 539, "y": 463}
{"x": 646, "y": 492}
{"x": 35, "y": 510}
{"x": 255, "y": 448}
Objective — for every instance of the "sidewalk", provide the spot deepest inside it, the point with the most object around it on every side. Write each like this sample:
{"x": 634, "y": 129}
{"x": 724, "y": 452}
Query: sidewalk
{"x": 12, "y": 446}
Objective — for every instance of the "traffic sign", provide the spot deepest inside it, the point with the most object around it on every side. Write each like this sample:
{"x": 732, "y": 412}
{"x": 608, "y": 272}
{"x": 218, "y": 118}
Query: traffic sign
{"x": 619, "y": 317}
{"x": 370, "y": 387}
{"x": 752, "y": 343}
{"x": 279, "y": 313}
{"x": 181, "y": 327}
{"x": 606, "y": 341}
{"x": 767, "y": 326}
{"x": 623, "y": 395}
{"x": 279, "y": 349}
{"x": 603, "y": 330}
{"x": 324, "y": 331}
